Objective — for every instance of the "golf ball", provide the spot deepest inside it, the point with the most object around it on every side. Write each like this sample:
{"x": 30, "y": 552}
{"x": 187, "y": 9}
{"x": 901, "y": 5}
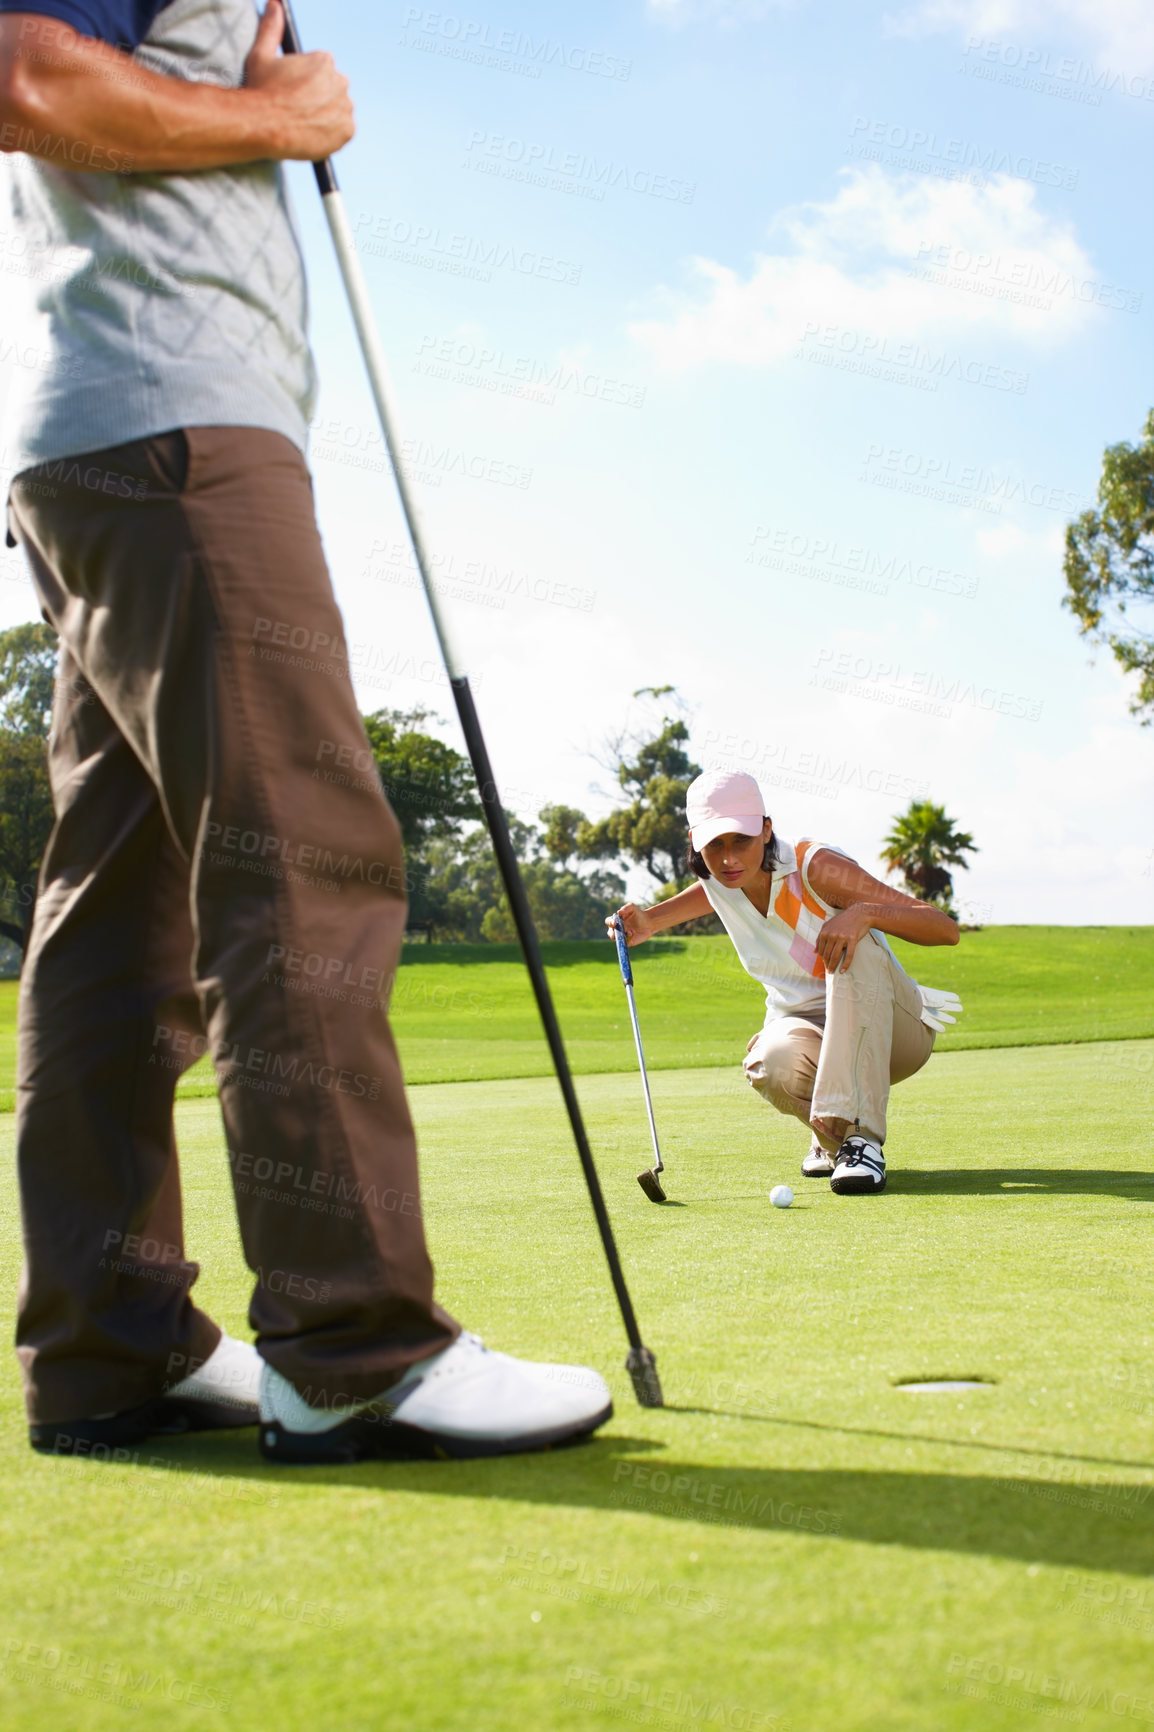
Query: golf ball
{"x": 781, "y": 1196}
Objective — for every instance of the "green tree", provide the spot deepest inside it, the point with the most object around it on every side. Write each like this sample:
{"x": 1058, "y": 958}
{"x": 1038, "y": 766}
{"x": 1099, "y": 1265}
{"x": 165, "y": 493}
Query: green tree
{"x": 429, "y": 783}
{"x": 561, "y": 827}
{"x": 651, "y": 829}
{"x": 451, "y": 874}
{"x": 1109, "y": 563}
{"x": 921, "y": 845}
{"x": 457, "y": 879}
{"x": 563, "y": 904}
{"x": 25, "y": 823}
{"x": 27, "y": 676}
{"x": 27, "y": 673}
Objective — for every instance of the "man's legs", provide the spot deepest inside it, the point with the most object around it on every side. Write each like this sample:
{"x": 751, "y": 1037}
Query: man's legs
{"x": 192, "y": 590}
{"x": 104, "y": 1295}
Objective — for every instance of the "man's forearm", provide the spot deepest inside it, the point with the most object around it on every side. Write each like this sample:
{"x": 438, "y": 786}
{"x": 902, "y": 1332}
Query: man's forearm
{"x": 78, "y": 102}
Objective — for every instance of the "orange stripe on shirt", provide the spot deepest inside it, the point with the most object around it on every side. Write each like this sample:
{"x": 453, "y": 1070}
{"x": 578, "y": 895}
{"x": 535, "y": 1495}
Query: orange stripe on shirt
{"x": 811, "y": 903}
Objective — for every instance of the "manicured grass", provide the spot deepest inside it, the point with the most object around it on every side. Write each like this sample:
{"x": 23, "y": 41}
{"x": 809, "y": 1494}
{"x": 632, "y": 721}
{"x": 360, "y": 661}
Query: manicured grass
{"x": 466, "y": 1012}
{"x": 826, "y": 1547}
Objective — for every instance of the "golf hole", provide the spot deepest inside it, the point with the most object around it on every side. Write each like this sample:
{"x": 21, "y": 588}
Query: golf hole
{"x": 941, "y": 1385}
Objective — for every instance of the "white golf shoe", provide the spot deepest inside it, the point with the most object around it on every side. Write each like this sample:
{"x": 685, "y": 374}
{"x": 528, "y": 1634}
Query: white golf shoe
{"x": 860, "y": 1168}
{"x": 465, "y": 1401}
{"x": 229, "y": 1378}
{"x": 818, "y": 1164}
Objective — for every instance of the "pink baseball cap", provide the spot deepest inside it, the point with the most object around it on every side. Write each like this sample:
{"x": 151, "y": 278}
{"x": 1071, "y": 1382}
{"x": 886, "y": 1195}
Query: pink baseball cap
{"x": 720, "y": 802}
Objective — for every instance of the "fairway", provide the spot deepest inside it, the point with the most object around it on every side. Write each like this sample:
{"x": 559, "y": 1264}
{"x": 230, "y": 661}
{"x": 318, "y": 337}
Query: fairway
{"x": 466, "y": 1012}
{"x": 795, "y": 1540}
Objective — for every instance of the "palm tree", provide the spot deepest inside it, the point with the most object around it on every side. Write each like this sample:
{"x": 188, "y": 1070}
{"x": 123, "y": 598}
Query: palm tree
{"x": 922, "y": 843}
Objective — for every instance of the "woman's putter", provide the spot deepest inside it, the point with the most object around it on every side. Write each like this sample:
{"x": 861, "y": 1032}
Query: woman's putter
{"x": 648, "y": 1180}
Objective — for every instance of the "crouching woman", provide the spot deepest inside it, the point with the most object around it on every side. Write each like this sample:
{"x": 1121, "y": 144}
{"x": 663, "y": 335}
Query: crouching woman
{"x": 843, "y": 1019}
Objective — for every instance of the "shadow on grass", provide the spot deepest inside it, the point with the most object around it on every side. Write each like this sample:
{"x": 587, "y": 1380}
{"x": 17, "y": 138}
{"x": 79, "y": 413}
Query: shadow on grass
{"x": 921, "y": 1437}
{"x": 1086, "y": 1524}
{"x": 1024, "y": 1181}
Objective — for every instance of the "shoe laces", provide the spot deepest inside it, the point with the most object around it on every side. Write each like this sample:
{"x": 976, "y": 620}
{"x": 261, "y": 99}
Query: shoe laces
{"x": 860, "y": 1152}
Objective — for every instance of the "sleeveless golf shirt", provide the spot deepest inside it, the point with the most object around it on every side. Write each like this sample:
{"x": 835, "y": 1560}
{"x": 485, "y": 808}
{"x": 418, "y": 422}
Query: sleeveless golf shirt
{"x": 777, "y": 949}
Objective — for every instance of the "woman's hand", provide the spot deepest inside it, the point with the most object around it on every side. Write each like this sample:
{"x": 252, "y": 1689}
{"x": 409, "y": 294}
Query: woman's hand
{"x": 636, "y": 921}
{"x": 841, "y": 935}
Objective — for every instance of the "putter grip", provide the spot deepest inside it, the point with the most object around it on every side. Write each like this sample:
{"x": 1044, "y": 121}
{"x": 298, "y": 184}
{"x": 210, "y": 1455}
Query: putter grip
{"x": 623, "y": 953}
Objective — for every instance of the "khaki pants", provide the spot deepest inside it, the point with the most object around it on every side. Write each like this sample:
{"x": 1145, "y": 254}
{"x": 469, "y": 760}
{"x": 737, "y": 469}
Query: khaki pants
{"x": 837, "y": 1069}
{"x": 213, "y": 882}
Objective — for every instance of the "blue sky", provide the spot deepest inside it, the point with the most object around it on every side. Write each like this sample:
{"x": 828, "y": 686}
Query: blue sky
{"x": 765, "y": 351}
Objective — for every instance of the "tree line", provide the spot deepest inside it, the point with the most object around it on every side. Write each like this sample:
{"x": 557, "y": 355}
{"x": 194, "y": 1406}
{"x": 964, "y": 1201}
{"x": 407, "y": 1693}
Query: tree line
{"x": 573, "y": 866}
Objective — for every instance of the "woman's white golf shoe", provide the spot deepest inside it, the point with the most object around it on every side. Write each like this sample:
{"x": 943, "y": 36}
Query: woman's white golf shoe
{"x": 465, "y": 1401}
{"x": 860, "y": 1168}
{"x": 818, "y": 1164}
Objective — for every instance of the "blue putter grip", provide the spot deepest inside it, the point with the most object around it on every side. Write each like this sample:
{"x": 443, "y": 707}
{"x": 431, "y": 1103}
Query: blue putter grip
{"x": 623, "y": 953}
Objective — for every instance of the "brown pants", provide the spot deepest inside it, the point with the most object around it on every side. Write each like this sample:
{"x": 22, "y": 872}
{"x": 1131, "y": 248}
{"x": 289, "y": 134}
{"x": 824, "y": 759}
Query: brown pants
{"x": 834, "y": 1072}
{"x": 213, "y": 882}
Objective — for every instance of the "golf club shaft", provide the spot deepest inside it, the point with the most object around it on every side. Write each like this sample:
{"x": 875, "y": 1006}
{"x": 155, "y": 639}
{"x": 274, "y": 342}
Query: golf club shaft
{"x": 641, "y": 1363}
{"x": 659, "y": 1165}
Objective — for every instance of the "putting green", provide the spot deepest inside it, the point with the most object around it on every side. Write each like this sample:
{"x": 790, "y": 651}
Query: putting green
{"x": 794, "y": 1537}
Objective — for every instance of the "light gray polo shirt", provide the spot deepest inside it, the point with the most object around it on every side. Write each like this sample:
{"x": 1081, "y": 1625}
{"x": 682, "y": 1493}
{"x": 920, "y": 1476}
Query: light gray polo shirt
{"x": 159, "y": 300}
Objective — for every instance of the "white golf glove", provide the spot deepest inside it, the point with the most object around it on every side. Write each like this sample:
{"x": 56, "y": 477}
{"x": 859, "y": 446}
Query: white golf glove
{"x": 939, "y": 1008}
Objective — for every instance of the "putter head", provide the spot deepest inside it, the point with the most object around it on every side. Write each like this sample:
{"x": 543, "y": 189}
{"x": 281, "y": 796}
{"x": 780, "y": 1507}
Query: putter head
{"x": 642, "y": 1368}
{"x": 651, "y": 1185}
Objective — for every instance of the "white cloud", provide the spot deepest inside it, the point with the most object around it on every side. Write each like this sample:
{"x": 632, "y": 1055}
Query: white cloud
{"x": 901, "y": 257}
{"x": 1119, "y": 32}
